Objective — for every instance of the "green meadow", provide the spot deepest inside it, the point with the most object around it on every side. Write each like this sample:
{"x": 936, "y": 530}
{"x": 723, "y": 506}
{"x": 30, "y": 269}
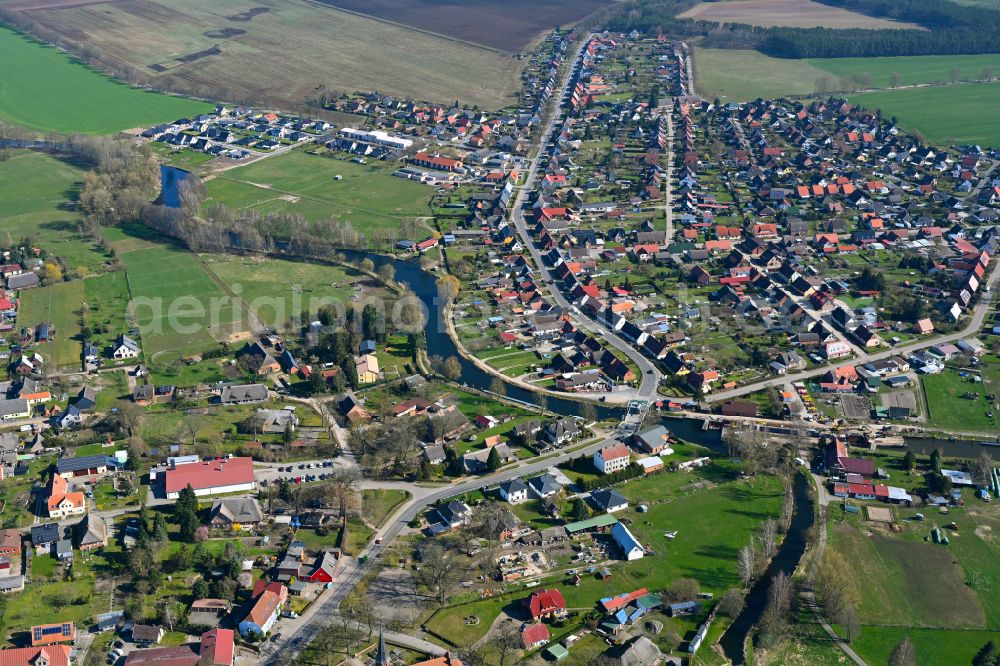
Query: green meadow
{"x": 965, "y": 113}
{"x": 45, "y": 89}
{"x": 278, "y": 290}
{"x": 367, "y": 195}
{"x": 57, "y": 305}
{"x": 37, "y": 199}
{"x": 178, "y": 307}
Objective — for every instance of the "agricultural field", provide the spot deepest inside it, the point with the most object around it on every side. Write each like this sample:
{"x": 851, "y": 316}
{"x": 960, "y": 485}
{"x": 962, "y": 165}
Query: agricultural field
{"x": 945, "y": 598}
{"x": 790, "y": 13}
{"x": 367, "y": 195}
{"x": 921, "y": 109}
{"x": 508, "y": 26}
{"x": 281, "y": 52}
{"x": 910, "y": 70}
{"x": 39, "y": 80}
{"x": 36, "y": 200}
{"x": 59, "y": 306}
{"x": 278, "y": 290}
{"x": 739, "y": 74}
{"x": 178, "y": 307}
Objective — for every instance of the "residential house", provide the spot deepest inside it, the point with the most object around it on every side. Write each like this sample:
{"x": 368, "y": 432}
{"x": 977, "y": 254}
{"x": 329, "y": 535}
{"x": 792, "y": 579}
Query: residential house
{"x": 544, "y": 486}
{"x": 10, "y": 542}
{"x": 560, "y": 431}
{"x": 324, "y": 569}
{"x": 264, "y": 611}
{"x": 546, "y": 603}
{"x": 90, "y": 533}
{"x": 147, "y": 634}
{"x": 608, "y": 500}
{"x": 612, "y": 458}
{"x": 49, "y": 655}
{"x": 449, "y": 516}
{"x": 367, "y": 369}
{"x": 243, "y": 394}
{"x": 62, "y": 503}
{"x": 124, "y": 347}
{"x": 235, "y": 512}
{"x": 653, "y": 441}
{"x": 44, "y": 537}
{"x": 257, "y": 360}
{"x": 514, "y": 491}
{"x": 534, "y": 636}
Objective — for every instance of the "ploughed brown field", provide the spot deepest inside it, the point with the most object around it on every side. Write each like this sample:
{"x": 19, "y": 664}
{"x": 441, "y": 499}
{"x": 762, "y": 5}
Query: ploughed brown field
{"x": 508, "y": 25}
{"x": 282, "y": 53}
{"x": 790, "y": 13}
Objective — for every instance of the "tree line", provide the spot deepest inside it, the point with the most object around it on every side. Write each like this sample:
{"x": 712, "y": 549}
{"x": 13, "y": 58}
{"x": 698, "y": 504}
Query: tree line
{"x": 951, "y": 30}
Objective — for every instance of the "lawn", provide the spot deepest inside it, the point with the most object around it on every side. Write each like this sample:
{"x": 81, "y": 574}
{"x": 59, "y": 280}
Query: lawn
{"x": 59, "y": 305}
{"x": 972, "y": 116}
{"x": 71, "y": 600}
{"x": 178, "y": 307}
{"x": 39, "y": 80}
{"x": 107, "y": 300}
{"x": 949, "y": 410}
{"x": 367, "y": 195}
{"x": 278, "y": 290}
{"x": 378, "y": 505}
{"x": 37, "y": 201}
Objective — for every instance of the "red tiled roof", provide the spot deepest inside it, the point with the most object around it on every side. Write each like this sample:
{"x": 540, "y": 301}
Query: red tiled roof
{"x": 56, "y": 655}
{"x": 614, "y": 452}
{"x": 218, "y": 647}
{"x": 534, "y": 633}
{"x": 210, "y": 474}
{"x": 546, "y": 601}
{"x": 266, "y": 606}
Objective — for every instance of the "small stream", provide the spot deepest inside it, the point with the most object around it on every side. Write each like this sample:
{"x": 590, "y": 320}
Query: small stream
{"x": 786, "y": 561}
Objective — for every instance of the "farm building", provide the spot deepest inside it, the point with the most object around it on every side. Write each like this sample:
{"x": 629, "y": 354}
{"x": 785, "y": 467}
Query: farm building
{"x": 631, "y": 548}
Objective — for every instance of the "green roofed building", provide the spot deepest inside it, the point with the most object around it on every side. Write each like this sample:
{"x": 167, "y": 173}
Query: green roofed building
{"x": 557, "y": 651}
{"x": 597, "y": 522}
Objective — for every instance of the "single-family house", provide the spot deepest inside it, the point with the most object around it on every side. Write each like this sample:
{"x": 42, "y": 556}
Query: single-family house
{"x": 514, "y": 491}
{"x": 612, "y": 458}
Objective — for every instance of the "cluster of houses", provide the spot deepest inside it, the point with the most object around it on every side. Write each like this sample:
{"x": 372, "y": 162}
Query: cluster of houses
{"x": 805, "y": 184}
{"x": 269, "y": 356}
{"x": 234, "y": 132}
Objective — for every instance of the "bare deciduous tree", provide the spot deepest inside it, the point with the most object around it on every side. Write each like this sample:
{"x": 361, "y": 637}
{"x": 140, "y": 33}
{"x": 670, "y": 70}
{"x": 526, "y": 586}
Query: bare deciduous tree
{"x": 746, "y": 564}
{"x": 904, "y": 654}
{"x": 769, "y": 538}
{"x": 437, "y": 570}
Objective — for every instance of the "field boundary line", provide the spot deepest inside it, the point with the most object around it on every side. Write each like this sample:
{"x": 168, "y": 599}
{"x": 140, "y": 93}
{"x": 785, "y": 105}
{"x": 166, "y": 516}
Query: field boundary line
{"x": 252, "y": 320}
